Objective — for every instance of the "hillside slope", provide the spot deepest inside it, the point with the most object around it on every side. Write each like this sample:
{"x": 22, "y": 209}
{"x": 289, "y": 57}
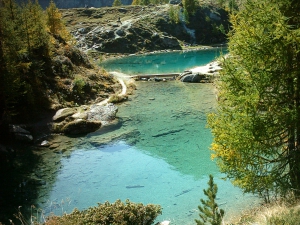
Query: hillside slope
{"x": 131, "y": 29}
{"x": 63, "y": 4}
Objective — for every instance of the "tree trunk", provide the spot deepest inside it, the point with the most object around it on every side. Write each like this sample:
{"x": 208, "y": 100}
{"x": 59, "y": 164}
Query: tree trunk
{"x": 296, "y": 170}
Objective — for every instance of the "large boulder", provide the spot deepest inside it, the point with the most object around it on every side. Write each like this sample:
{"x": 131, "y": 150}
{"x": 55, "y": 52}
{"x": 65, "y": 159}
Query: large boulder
{"x": 80, "y": 115}
{"x": 80, "y": 126}
{"x": 63, "y": 113}
{"x": 192, "y": 78}
{"x": 84, "y": 119}
{"x": 102, "y": 112}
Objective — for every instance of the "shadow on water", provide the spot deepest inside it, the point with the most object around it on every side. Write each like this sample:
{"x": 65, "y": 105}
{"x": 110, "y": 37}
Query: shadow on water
{"x": 157, "y": 151}
{"x": 17, "y": 188}
{"x": 29, "y": 177}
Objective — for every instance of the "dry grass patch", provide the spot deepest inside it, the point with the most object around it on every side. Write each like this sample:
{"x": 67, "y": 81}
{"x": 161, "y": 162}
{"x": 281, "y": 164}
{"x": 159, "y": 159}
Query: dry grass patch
{"x": 284, "y": 211}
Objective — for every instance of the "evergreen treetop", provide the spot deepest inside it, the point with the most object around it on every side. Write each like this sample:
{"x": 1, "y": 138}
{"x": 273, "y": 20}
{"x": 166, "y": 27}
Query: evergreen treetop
{"x": 209, "y": 211}
{"x": 117, "y": 3}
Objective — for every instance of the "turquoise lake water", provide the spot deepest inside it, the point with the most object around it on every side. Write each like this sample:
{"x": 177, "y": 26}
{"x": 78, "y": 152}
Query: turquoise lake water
{"x": 156, "y": 63}
{"x": 157, "y": 153}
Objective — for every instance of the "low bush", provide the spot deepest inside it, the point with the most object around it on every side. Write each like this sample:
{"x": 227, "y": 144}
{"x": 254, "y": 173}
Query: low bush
{"x": 127, "y": 213}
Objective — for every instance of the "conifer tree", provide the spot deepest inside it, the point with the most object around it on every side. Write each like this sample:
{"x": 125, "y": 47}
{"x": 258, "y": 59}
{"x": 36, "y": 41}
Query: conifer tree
{"x": 210, "y": 212}
{"x": 257, "y": 125}
{"x": 174, "y": 14}
{"x": 10, "y": 44}
{"x": 190, "y": 6}
{"x": 145, "y": 2}
{"x": 136, "y": 2}
{"x": 117, "y": 3}
{"x": 34, "y": 26}
{"x": 55, "y": 23}
{"x": 25, "y": 47}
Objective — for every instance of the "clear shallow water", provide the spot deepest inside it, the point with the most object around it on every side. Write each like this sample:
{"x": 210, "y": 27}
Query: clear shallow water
{"x": 160, "y": 155}
{"x": 171, "y": 62}
{"x": 157, "y": 153}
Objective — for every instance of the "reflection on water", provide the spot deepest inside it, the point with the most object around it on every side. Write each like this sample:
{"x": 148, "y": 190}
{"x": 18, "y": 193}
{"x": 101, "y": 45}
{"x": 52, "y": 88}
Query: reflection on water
{"x": 159, "y": 154}
{"x": 171, "y": 62}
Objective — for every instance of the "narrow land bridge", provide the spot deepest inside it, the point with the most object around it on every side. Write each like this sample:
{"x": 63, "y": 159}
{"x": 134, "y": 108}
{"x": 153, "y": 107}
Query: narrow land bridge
{"x": 160, "y": 75}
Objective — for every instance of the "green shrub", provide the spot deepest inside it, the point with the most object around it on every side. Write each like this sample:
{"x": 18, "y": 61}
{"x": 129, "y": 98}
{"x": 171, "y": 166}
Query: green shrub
{"x": 78, "y": 86}
{"x": 127, "y": 213}
{"x": 174, "y": 14}
{"x": 117, "y": 3}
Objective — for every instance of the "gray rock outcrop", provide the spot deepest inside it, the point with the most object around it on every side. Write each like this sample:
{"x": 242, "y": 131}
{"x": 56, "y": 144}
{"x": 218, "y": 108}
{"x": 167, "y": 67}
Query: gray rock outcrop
{"x": 102, "y": 113}
{"x": 192, "y": 78}
{"x": 83, "y": 119}
{"x": 206, "y": 73}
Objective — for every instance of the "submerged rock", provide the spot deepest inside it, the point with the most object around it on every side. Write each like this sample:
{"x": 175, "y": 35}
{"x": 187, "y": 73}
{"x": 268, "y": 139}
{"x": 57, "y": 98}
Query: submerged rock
{"x": 80, "y": 126}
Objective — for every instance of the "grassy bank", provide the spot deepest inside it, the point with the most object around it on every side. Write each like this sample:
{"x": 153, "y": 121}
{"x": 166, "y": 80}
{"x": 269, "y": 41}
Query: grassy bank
{"x": 285, "y": 211}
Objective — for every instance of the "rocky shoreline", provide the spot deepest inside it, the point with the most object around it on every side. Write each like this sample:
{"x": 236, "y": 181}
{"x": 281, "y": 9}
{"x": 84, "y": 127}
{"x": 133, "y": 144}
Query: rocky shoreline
{"x": 84, "y": 119}
{"x": 73, "y": 122}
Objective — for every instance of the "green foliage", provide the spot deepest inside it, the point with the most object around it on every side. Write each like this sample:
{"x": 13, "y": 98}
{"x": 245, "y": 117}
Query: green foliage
{"x": 25, "y": 46}
{"x": 34, "y": 28}
{"x": 145, "y": 2}
{"x": 117, "y": 3}
{"x": 111, "y": 213}
{"x": 25, "y": 55}
{"x": 186, "y": 16}
{"x": 210, "y": 212}
{"x": 135, "y": 2}
{"x": 9, "y": 42}
{"x": 257, "y": 123}
{"x": 233, "y": 6}
{"x": 292, "y": 217}
{"x": 222, "y": 29}
{"x": 221, "y": 3}
{"x": 55, "y": 23}
{"x": 174, "y": 14}
{"x": 78, "y": 86}
{"x": 190, "y": 6}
